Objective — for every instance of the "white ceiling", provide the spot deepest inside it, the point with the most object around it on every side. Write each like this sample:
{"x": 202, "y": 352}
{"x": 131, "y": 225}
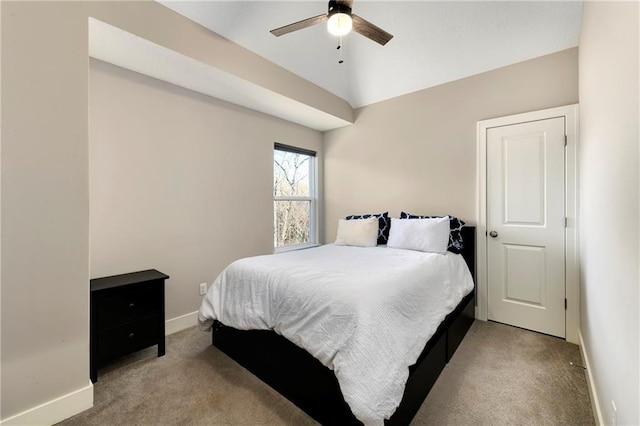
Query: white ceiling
{"x": 434, "y": 42}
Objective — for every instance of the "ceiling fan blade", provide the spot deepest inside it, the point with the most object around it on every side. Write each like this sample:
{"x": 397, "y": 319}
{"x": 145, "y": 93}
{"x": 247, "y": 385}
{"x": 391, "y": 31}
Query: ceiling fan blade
{"x": 299, "y": 25}
{"x": 367, "y": 29}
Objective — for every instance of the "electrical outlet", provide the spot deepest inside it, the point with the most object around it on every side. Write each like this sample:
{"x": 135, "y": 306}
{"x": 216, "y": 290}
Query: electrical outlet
{"x": 613, "y": 415}
{"x": 203, "y": 289}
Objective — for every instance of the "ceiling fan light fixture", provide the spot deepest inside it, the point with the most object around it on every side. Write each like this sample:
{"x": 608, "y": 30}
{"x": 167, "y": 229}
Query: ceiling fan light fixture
{"x": 339, "y": 24}
{"x": 340, "y": 21}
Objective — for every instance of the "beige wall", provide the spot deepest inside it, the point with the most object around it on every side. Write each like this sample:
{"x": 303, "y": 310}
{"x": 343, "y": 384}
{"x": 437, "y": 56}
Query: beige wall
{"x": 45, "y": 182}
{"x": 45, "y": 205}
{"x": 179, "y": 181}
{"x": 609, "y": 115}
{"x": 418, "y": 152}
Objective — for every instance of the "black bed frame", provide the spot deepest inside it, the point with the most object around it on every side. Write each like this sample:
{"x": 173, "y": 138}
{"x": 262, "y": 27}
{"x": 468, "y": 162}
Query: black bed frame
{"x": 303, "y": 380}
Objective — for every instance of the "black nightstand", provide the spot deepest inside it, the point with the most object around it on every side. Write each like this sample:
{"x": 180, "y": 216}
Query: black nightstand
{"x": 127, "y": 314}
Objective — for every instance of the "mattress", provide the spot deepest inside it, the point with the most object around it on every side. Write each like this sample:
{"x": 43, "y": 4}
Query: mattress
{"x": 365, "y": 313}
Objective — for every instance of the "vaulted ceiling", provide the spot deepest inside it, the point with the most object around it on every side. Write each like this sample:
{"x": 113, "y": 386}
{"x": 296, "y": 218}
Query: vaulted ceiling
{"x": 434, "y": 42}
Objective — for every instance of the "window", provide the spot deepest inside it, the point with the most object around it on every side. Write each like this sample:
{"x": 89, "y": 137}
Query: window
{"x": 294, "y": 196}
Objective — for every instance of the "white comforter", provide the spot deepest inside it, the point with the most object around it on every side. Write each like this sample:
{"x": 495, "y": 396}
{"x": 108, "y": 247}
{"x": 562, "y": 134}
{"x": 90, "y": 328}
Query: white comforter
{"x": 366, "y": 313}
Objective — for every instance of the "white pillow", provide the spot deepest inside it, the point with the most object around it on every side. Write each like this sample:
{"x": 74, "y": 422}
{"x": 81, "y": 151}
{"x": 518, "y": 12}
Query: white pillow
{"x": 358, "y": 232}
{"x": 430, "y": 235}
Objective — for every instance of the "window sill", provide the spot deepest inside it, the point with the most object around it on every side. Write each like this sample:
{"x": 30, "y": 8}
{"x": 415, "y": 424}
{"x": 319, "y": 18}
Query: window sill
{"x": 295, "y": 247}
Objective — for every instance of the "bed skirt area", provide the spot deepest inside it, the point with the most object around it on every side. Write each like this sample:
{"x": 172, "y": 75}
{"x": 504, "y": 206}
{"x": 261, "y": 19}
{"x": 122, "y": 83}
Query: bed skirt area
{"x": 303, "y": 380}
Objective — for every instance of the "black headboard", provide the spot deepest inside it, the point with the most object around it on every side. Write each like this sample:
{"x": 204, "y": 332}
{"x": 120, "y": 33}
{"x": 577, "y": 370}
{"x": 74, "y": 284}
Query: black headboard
{"x": 469, "y": 248}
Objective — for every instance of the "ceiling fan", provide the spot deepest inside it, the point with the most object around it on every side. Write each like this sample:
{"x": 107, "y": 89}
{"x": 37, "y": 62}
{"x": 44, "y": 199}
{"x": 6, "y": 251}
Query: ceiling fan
{"x": 340, "y": 21}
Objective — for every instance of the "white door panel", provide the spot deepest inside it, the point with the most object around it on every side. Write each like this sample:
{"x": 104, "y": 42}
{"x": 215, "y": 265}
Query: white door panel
{"x": 524, "y": 280}
{"x": 525, "y": 220}
{"x": 523, "y": 159}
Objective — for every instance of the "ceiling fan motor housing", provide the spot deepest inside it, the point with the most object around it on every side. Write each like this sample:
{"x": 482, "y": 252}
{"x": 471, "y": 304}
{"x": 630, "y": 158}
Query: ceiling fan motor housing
{"x": 338, "y": 7}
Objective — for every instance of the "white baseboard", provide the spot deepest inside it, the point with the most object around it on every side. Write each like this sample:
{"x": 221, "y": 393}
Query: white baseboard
{"x": 593, "y": 394}
{"x": 176, "y": 324}
{"x": 77, "y": 401}
{"x": 55, "y": 410}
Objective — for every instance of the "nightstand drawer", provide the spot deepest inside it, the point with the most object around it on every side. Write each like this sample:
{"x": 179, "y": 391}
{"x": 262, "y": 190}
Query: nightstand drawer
{"x": 127, "y": 303}
{"x": 127, "y": 338}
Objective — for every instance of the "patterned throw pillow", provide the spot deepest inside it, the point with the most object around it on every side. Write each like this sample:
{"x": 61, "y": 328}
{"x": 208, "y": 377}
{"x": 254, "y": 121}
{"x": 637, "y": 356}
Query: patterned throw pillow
{"x": 384, "y": 223}
{"x": 455, "y": 228}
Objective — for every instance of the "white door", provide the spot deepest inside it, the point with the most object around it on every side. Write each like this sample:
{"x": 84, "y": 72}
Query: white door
{"x": 525, "y": 225}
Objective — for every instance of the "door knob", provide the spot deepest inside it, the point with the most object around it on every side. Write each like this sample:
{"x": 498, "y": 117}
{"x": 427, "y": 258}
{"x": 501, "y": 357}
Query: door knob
{"x": 493, "y": 234}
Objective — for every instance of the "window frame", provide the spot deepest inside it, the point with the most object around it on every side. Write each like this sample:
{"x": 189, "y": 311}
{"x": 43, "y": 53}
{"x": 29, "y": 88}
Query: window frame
{"x": 312, "y": 197}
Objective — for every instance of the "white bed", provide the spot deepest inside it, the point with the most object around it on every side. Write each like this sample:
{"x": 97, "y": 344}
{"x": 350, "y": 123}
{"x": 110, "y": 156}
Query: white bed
{"x": 365, "y": 313}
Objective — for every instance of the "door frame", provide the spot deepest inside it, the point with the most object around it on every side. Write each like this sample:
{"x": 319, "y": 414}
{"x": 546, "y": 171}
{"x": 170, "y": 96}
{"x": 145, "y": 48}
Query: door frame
{"x": 572, "y": 276}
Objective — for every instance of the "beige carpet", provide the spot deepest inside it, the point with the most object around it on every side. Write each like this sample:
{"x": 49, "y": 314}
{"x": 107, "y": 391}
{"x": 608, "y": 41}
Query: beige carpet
{"x": 500, "y": 375}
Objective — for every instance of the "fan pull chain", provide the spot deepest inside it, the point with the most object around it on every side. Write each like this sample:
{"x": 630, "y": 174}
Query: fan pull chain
{"x": 340, "y": 50}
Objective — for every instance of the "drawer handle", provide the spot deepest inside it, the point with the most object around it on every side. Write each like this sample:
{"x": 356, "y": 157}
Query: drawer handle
{"x": 132, "y": 305}
{"x": 131, "y": 335}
